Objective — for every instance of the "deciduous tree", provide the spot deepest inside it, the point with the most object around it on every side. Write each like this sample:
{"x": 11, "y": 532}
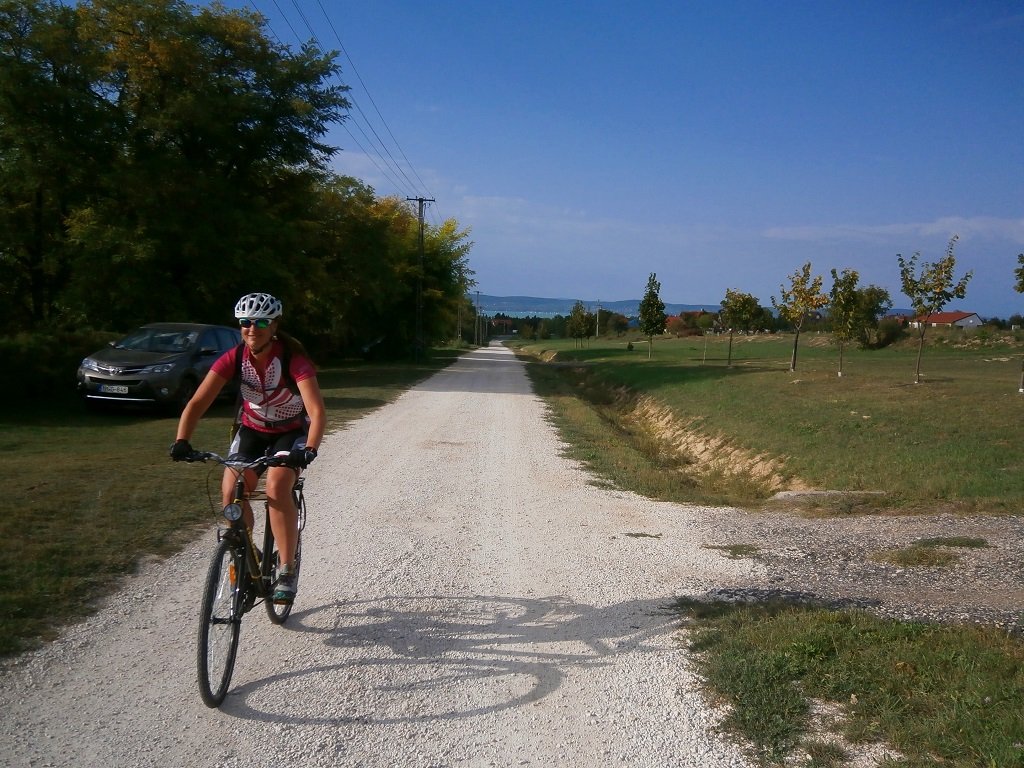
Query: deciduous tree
{"x": 57, "y": 134}
{"x": 930, "y": 290}
{"x": 1020, "y": 289}
{"x": 652, "y": 313}
{"x": 797, "y": 302}
{"x": 739, "y": 311}
{"x": 576, "y": 327}
{"x": 843, "y": 309}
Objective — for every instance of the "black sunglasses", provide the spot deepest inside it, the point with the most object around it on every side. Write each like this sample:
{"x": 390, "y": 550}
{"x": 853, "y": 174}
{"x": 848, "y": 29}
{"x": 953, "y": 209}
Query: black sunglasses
{"x": 260, "y": 322}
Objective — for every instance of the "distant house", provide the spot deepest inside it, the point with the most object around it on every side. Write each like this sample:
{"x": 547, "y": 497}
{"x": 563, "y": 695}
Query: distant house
{"x": 947, "y": 320}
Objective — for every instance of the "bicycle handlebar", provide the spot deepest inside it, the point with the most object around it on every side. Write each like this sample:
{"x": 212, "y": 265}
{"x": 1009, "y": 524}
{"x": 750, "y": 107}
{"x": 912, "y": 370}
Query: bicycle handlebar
{"x": 280, "y": 460}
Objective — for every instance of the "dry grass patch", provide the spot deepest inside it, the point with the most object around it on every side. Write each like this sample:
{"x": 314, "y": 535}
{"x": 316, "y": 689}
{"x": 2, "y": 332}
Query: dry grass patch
{"x": 713, "y": 460}
{"x": 929, "y": 553}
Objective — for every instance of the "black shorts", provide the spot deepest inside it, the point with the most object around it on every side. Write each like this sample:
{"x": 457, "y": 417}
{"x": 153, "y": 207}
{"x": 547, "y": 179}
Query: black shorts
{"x": 249, "y": 444}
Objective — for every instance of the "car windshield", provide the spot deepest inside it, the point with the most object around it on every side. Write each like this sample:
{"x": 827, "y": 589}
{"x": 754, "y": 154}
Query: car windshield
{"x": 156, "y": 340}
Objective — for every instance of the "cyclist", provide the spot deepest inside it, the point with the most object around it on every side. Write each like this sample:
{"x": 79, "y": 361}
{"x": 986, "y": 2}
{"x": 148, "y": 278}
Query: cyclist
{"x": 282, "y": 411}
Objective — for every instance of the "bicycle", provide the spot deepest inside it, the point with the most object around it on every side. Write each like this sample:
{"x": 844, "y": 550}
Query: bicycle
{"x": 240, "y": 575}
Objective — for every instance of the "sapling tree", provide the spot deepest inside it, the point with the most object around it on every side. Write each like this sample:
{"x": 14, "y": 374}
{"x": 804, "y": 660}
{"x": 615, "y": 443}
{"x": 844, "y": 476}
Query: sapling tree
{"x": 652, "y": 312}
{"x": 854, "y": 312}
{"x": 577, "y": 324}
{"x": 739, "y": 310}
{"x": 843, "y": 309}
{"x": 1019, "y": 272}
{"x": 931, "y": 289}
{"x": 797, "y": 302}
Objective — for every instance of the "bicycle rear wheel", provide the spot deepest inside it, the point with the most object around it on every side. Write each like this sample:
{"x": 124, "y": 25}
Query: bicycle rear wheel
{"x": 220, "y": 620}
{"x": 279, "y": 612}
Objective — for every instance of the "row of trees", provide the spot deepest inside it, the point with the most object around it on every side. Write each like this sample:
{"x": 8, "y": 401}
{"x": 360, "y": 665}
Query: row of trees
{"x": 854, "y": 312}
{"x": 157, "y": 160}
{"x": 850, "y": 312}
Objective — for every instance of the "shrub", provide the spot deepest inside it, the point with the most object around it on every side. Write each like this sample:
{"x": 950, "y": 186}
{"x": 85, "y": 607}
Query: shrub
{"x": 888, "y": 332}
{"x": 43, "y": 364}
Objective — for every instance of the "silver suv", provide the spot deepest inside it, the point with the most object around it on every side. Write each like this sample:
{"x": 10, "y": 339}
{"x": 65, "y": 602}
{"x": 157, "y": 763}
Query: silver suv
{"x": 160, "y": 363}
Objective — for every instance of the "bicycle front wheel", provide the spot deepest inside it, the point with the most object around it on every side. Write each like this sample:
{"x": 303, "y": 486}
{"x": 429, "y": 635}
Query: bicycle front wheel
{"x": 220, "y": 620}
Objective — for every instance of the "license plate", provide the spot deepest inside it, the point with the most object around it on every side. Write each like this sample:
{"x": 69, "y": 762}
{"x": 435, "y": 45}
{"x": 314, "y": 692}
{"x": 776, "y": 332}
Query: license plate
{"x": 114, "y": 389}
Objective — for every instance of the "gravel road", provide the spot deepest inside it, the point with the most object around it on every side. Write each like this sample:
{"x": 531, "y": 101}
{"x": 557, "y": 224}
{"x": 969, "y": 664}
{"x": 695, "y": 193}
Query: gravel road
{"x": 467, "y": 599}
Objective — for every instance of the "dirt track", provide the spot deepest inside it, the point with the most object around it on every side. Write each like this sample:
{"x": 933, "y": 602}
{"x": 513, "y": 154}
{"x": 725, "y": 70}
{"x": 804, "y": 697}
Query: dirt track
{"x": 467, "y": 599}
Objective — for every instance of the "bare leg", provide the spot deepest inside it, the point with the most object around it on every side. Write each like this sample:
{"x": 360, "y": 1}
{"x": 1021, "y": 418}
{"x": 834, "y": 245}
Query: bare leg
{"x": 227, "y": 491}
{"x": 284, "y": 517}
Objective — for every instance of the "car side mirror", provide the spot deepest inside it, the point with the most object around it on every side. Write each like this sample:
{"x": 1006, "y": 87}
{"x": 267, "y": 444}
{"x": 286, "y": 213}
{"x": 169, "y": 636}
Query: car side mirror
{"x": 207, "y": 351}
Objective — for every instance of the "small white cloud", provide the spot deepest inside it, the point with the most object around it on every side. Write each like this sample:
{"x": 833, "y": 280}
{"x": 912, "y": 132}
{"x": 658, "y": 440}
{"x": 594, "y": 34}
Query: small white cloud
{"x": 988, "y": 227}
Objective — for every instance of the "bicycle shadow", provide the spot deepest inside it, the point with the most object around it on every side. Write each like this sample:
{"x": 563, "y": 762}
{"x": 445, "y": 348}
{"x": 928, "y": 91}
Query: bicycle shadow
{"x": 419, "y": 659}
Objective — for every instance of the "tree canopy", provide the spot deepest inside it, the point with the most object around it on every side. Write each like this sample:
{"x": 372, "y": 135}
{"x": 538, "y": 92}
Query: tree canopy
{"x": 930, "y": 289}
{"x": 797, "y": 302}
{"x": 739, "y": 312}
{"x": 652, "y": 312}
{"x": 159, "y": 159}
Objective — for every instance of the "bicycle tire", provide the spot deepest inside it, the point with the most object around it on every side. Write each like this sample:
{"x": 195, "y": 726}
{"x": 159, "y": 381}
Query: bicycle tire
{"x": 220, "y": 619}
{"x": 279, "y": 612}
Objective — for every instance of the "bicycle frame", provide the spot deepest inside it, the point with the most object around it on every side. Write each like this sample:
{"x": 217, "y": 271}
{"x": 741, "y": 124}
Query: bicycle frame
{"x": 259, "y": 577}
{"x": 238, "y": 576}
{"x": 253, "y": 558}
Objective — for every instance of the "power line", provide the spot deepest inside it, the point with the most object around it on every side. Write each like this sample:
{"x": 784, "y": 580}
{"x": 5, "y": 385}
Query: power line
{"x": 369, "y": 96}
{"x": 394, "y": 163}
{"x": 388, "y": 166}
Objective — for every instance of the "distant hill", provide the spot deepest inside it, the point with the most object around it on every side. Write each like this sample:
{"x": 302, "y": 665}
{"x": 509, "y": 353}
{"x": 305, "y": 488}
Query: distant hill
{"x": 526, "y": 306}
{"x": 533, "y": 305}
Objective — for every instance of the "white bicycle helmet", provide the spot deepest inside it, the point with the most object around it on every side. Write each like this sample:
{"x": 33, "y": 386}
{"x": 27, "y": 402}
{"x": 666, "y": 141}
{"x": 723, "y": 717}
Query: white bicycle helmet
{"x": 258, "y": 305}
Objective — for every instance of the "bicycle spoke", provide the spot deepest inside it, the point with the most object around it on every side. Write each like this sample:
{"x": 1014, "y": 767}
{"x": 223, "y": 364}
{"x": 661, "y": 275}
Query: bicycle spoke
{"x": 219, "y": 625}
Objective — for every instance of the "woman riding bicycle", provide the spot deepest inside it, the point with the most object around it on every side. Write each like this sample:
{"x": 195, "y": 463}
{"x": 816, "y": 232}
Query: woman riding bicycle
{"x": 282, "y": 411}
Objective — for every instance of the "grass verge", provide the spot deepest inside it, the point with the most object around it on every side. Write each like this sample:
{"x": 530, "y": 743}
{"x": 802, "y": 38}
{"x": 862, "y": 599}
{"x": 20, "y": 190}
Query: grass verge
{"x": 871, "y": 430}
{"x": 93, "y": 493}
{"x": 937, "y": 695}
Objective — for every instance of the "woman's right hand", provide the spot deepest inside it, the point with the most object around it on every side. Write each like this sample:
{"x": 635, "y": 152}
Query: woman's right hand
{"x": 181, "y": 450}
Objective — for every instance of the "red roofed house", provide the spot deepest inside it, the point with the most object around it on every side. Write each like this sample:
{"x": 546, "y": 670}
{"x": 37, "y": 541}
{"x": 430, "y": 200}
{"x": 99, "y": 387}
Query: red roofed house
{"x": 948, "y": 320}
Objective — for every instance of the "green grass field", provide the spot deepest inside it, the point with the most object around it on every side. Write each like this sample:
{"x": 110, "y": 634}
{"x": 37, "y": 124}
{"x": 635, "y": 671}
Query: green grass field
{"x": 950, "y": 443}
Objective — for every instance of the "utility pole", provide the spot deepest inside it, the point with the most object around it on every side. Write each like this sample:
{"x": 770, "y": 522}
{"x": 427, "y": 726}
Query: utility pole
{"x": 476, "y": 322}
{"x": 419, "y": 281}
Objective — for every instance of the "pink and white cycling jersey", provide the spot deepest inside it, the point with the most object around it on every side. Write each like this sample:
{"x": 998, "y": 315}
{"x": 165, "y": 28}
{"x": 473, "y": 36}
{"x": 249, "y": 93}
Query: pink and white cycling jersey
{"x": 268, "y": 405}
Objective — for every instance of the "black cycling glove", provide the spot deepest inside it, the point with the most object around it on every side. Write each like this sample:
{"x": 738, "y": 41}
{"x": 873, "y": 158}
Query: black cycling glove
{"x": 181, "y": 450}
{"x": 300, "y": 458}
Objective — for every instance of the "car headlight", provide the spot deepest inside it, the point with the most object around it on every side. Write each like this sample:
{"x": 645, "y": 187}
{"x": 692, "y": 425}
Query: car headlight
{"x": 89, "y": 364}
{"x": 161, "y": 368}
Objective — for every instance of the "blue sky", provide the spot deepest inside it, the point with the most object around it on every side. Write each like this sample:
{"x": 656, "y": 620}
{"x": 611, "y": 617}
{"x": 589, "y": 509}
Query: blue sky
{"x": 717, "y": 144}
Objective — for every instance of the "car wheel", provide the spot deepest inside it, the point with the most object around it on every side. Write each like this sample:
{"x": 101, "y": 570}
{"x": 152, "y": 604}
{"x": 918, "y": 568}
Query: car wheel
{"x": 185, "y": 392}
